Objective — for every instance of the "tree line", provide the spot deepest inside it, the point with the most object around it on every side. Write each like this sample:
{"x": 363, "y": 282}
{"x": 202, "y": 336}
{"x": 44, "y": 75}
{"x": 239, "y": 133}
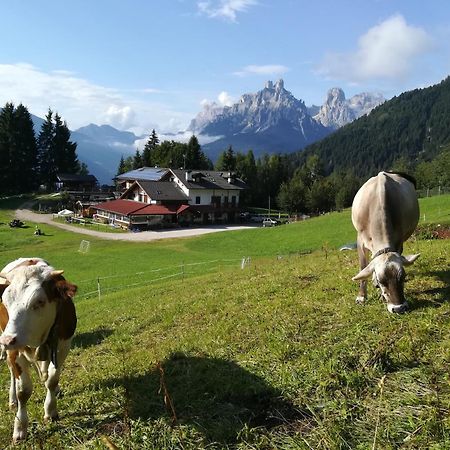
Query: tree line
{"x": 29, "y": 161}
{"x": 274, "y": 179}
{"x": 296, "y": 183}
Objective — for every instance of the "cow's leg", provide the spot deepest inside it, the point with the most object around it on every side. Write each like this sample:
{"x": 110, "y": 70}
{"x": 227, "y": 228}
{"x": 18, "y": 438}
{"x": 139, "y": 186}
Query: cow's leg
{"x": 14, "y": 372}
{"x": 12, "y": 391}
{"x": 24, "y": 388}
{"x": 362, "y": 254}
{"x": 52, "y": 383}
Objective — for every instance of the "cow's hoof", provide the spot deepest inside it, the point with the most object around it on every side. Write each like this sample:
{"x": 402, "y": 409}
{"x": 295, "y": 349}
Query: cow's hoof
{"x": 360, "y": 300}
{"x": 49, "y": 419}
{"x": 19, "y": 436}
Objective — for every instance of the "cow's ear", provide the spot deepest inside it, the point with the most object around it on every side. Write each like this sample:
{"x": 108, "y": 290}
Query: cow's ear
{"x": 364, "y": 274}
{"x": 66, "y": 317}
{"x": 409, "y": 259}
{"x": 65, "y": 289}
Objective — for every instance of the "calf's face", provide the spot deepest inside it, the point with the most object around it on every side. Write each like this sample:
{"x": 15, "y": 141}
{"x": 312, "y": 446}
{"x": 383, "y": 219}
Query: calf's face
{"x": 30, "y": 307}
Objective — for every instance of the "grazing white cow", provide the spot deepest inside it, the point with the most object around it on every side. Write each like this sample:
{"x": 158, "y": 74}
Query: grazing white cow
{"x": 385, "y": 213}
{"x": 37, "y": 320}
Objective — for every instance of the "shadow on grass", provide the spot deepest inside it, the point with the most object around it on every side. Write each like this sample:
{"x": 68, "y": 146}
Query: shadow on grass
{"x": 216, "y": 396}
{"x": 85, "y": 340}
{"x": 438, "y": 295}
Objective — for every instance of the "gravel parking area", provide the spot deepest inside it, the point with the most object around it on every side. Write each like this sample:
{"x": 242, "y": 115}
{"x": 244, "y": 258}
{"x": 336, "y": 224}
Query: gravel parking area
{"x": 29, "y": 216}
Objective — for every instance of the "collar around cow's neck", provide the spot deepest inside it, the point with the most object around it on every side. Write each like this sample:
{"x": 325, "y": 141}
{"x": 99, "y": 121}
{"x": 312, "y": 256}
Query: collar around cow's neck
{"x": 383, "y": 251}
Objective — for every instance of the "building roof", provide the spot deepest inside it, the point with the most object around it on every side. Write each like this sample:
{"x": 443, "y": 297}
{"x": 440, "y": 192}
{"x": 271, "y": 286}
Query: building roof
{"x": 143, "y": 174}
{"x": 76, "y": 178}
{"x": 132, "y": 208}
{"x": 159, "y": 190}
{"x": 209, "y": 179}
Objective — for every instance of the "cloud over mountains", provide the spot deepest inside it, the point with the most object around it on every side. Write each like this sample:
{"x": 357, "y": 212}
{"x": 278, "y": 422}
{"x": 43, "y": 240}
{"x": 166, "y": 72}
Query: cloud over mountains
{"x": 386, "y": 51}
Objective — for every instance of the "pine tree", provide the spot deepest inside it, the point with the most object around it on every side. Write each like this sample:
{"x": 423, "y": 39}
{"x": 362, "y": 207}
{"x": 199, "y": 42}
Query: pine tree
{"x": 56, "y": 152}
{"x": 193, "y": 154}
{"x": 17, "y": 150}
{"x": 24, "y": 160}
{"x": 65, "y": 151}
{"x": 227, "y": 160}
{"x": 6, "y": 147}
{"x": 46, "y": 151}
{"x": 137, "y": 160}
{"x": 147, "y": 154}
{"x": 121, "y": 169}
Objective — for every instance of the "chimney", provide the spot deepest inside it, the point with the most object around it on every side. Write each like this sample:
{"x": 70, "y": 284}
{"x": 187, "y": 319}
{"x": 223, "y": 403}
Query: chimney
{"x": 188, "y": 175}
{"x": 230, "y": 177}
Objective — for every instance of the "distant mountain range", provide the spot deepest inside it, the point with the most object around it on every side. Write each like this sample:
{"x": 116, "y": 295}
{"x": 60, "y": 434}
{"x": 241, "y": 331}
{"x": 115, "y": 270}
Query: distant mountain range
{"x": 271, "y": 120}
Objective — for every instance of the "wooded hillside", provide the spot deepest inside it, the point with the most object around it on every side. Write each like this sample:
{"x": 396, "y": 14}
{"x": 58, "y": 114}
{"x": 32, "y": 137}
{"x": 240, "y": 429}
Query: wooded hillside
{"x": 412, "y": 128}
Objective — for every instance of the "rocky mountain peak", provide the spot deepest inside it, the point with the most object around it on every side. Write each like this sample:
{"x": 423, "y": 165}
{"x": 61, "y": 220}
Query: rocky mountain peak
{"x": 335, "y": 96}
{"x": 273, "y": 118}
{"x": 337, "y": 111}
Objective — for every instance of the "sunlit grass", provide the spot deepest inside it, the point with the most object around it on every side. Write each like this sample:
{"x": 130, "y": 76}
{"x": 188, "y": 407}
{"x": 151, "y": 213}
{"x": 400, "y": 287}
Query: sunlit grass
{"x": 273, "y": 356}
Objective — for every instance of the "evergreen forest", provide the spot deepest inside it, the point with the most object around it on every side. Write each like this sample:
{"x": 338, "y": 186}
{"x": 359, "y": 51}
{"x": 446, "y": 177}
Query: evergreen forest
{"x": 30, "y": 162}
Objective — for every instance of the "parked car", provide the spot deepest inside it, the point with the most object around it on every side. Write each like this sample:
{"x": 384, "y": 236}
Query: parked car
{"x": 268, "y": 222}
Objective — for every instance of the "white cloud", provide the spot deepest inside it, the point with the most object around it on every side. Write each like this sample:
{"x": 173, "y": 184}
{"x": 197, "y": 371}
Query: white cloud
{"x": 268, "y": 69}
{"x": 122, "y": 116}
{"x": 80, "y": 102}
{"x": 225, "y": 99}
{"x": 387, "y": 51}
{"x": 224, "y": 9}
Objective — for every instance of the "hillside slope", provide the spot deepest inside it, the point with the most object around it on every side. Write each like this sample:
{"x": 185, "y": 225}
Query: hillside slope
{"x": 275, "y": 355}
{"x": 413, "y": 126}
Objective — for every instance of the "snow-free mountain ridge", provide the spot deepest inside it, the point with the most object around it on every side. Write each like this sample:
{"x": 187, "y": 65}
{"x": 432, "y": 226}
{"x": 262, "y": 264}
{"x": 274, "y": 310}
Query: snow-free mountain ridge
{"x": 271, "y": 120}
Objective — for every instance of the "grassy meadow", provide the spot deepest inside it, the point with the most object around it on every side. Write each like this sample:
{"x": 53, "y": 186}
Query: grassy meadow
{"x": 277, "y": 355}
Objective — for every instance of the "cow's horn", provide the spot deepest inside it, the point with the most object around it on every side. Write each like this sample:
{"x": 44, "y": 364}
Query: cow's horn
{"x": 56, "y": 273}
{"x": 4, "y": 278}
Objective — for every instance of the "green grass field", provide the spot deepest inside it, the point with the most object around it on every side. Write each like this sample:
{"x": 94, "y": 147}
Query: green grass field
{"x": 273, "y": 356}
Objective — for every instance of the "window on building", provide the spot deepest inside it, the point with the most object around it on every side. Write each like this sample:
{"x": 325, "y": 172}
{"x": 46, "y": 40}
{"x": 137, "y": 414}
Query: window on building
{"x": 197, "y": 200}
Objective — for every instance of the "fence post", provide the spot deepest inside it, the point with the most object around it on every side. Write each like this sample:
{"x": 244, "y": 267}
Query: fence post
{"x": 99, "y": 289}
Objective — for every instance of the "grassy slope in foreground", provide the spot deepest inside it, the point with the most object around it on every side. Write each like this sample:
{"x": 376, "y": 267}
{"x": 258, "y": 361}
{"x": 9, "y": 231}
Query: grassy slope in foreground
{"x": 273, "y": 356}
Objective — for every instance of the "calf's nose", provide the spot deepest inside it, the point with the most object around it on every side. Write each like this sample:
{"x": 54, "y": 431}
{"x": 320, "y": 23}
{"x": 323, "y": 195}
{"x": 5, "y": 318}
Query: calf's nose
{"x": 7, "y": 341}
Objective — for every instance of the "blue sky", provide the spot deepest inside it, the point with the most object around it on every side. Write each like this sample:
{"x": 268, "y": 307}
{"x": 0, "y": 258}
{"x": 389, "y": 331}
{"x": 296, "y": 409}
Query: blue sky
{"x": 141, "y": 64}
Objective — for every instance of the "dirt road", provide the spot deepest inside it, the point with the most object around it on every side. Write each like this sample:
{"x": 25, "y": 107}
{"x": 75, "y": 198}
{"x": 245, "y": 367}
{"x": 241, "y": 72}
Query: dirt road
{"x": 29, "y": 216}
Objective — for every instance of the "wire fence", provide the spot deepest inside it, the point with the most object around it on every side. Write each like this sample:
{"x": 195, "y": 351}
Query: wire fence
{"x": 431, "y": 192}
{"x": 100, "y": 286}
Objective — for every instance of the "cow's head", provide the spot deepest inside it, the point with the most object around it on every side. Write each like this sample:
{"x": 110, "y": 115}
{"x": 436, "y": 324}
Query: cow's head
{"x": 32, "y": 298}
{"x": 388, "y": 273}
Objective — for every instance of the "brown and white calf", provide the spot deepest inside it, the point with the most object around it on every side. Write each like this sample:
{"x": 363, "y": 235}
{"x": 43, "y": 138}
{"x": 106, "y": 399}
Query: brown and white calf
{"x": 38, "y": 321}
{"x": 385, "y": 213}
